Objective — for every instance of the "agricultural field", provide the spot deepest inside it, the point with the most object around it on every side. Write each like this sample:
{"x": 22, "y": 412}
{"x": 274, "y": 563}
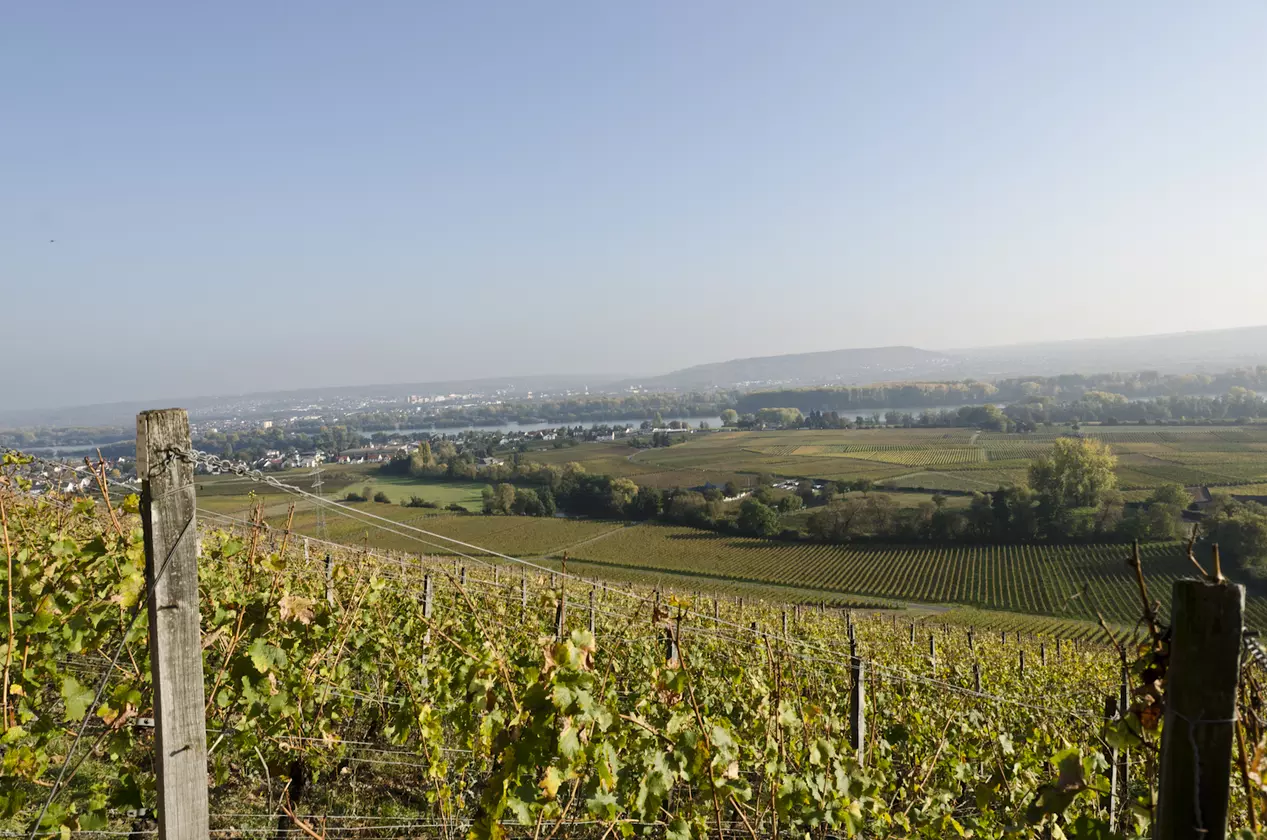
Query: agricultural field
{"x": 414, "y": 530}
{"x": 1071, "y": 582}
{"x": 399, "y": 489}
{"x": 958, "y": 460}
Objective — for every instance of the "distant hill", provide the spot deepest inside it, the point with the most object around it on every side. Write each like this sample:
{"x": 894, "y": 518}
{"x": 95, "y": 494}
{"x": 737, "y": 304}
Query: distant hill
{"x": 868, "y": 364}
{"x": 1186, "y": 352}
{"x": 1206, "y": 351}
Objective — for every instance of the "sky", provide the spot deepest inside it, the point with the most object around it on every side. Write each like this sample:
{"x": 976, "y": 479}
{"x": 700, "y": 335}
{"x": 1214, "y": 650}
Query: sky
{"x": 232, "y": 197}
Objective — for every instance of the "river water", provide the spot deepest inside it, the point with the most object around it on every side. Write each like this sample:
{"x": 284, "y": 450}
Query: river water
{"x": 714, "y": 422}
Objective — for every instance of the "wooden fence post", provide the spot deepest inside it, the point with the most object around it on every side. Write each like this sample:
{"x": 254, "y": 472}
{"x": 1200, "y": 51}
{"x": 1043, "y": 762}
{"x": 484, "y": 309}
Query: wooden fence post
{"x": 1124, "y": 756}
{"x": 168, "y": 505}
{"x": 329, "y": 579}
{"x": 1022, "y": 662}
{"x": 560, "y": 614}
{"x": 1108, "y": 800}
{"x": 591, "y": 610}
{"x": 1042, "y": 654}
{"x": 462, "y": 577}
{"x": 1201, "y": 680}
{"x": 932, "y": 652}
{"x": 523, "y": 595}
{"x": 857, "y": 703}
{"x": 784, "y": 613}
{"x": 972, "y": 641}
{"x": 976, "y": 677}
{"x": 428, "y": 599}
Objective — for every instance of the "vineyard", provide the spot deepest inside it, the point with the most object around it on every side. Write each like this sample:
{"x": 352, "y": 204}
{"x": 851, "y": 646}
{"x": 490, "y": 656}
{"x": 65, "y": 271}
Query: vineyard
{"x": 350, "y": 693}
{"x": 1073, "y": 581}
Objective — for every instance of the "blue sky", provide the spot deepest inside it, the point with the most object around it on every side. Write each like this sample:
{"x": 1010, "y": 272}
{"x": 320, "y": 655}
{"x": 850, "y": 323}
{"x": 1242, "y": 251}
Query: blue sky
{"x": 290, "y": 195}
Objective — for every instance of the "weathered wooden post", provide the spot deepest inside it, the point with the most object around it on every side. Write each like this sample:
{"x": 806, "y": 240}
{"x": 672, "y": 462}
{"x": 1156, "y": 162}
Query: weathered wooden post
{"x": 462, "y": 577}
{"x": 1042, "y": 654}
{"x": 168, "y": 505}
{"x": 932, "y": 652}
{"x": 329, "y": 579}
{"x": 1108, "y": 800}
{"x": 976, "y": 677}
{"x": 591, "y": 610}
{"x": 1124, "y": 756}
{"x": 1201, "y": 680}
{"x": 972, "y": 642}
{"x": 716, "y": 612}
{"x": 305, "y": 549}
{"x": 784, "y": 615}
{"x": 1022, "y": 662}
{"x": 560, "y": 613}
{"x": 912, "y": 632}
{"x": 523, "y": 595}
{"x": 857, "y": 703}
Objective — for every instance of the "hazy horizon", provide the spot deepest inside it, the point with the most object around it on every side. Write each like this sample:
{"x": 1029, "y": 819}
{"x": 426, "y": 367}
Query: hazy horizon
{"x": 239, "y": 198}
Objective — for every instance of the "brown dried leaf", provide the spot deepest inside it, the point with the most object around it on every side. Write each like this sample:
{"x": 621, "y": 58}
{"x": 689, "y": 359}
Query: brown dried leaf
{"x": 296, "y": 608}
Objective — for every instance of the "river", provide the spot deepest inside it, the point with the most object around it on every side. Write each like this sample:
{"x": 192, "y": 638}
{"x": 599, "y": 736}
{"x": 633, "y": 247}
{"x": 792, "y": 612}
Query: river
{"x": 714, "y": 422}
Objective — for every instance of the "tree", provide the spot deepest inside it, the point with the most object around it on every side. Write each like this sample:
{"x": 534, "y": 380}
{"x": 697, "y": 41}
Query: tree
{"x": 1108, "y": 517}
{"x": 499, "y": 499}
{"x": 790, "y": 504}
{"x": 689, "y": 508}
{"x": 839, "y": 521}
{"x": 757, "y": 519}
{"x": 420, "y": 459}
{"x": 805, "y": 489}
{"x": 549, "y": 507}
{"x": 1074, "y": 474}
{"x": 1240, "y": 529}
{"x": 980, "y": 516}
{"x": 780, "y": 416}
{"x": 729, "y": 417}
{"x": 623, "y": 492}
{"x": 647, "y": 503}
{"x": 881, "y": 510}
{"x": 731, "y": 489}
{"x": 382, "y": 498}
{"x": 527, "y": 503}
{"x": 1162, "y": 522}
{"x": 1170, "y": 494}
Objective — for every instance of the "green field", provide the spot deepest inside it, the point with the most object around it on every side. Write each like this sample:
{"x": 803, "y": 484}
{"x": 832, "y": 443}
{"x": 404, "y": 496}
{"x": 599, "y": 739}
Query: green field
{"x": 401, "y": 489}
{"x": 960, "y": 460}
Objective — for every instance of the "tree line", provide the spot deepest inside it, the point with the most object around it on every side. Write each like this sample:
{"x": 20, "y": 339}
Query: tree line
{"x": 1062, "y": 388}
